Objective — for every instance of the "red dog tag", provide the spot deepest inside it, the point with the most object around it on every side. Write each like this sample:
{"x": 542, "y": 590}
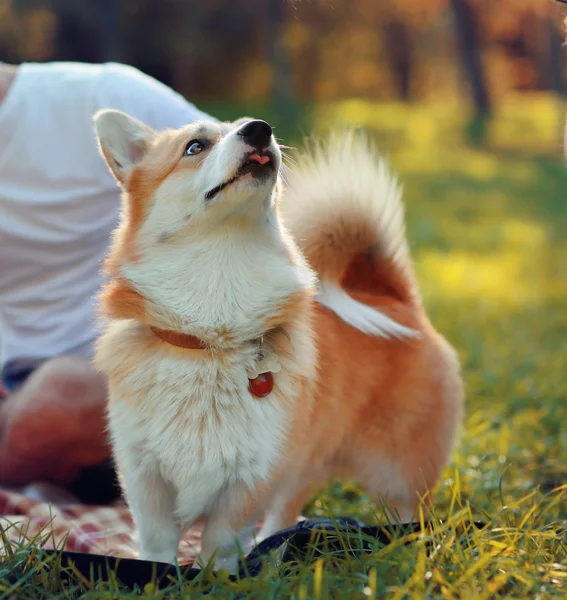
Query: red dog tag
{"x": 262, "y": 385}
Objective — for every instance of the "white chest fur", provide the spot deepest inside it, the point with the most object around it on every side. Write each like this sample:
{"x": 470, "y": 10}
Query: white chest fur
{"x": 188, "y": 435}
{"x": 216, "y": 284}
{"x": 195, "y": 421}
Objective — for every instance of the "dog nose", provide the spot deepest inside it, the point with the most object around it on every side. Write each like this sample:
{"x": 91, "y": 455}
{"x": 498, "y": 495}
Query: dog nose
{"x": 256, "y": 133}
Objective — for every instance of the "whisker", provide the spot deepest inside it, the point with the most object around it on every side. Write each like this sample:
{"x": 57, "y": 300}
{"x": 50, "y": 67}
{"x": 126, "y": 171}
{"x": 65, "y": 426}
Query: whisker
{"x": 289, "y": 160}
{"x": 285, "y": 173}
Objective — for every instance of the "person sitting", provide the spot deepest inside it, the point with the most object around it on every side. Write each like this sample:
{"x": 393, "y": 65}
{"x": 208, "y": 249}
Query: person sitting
{"x": 58, "y": 207}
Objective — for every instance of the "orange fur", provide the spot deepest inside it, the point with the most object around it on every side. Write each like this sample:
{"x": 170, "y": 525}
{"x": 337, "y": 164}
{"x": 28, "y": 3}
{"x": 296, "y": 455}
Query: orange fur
{"x": 160, "y": 162}
{"x": 121, "y": 301}
{"x": 378, "y": 397}
{"x": 382, "y": 411}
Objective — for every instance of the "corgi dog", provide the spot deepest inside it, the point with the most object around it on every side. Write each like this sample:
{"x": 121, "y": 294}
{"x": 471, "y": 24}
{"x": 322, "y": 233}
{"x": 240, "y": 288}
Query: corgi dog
{"x": 259, "y": 341}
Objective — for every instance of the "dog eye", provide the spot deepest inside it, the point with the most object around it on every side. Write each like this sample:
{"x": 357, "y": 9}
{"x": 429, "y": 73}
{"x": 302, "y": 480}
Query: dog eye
{"x": 194, "y": 147}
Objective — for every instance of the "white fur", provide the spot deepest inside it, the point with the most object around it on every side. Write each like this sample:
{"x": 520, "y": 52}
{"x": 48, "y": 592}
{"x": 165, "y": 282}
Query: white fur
{"x": 343, "y": 179}
{"x": 207, "y": 440}
{"x": 224, "y": 267}
{"x": 123, "y": 141}
{"x": 231, "y": 285}
{"x": 358, "y": 315}
{"x": 189, "y": 439}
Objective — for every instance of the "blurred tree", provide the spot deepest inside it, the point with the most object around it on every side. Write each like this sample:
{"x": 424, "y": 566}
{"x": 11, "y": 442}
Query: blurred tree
{"x": 555, "y": 39}
{"x": 26, "y": 33}
{"x": 76, "y": 39}
{"x": 282, "y": 51}
{"x": 399, "y": 44}
{"x": 282, "y": 92}
{"x": 109, "y": 34}
{"x": 466, "y": 26}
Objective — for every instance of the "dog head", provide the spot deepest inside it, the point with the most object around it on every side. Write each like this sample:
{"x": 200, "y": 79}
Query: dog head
{"x": 203, "y": 174}
{"x": 199, "y": 236}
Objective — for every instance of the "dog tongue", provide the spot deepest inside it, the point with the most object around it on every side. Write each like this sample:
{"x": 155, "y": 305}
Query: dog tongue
{"x": 259, "y": 159}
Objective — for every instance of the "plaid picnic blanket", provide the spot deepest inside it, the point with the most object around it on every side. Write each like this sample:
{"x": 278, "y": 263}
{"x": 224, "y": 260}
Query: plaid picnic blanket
{"x": 106, "y": 530}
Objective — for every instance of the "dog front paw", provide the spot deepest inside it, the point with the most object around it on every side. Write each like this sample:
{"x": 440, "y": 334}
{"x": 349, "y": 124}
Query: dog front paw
{"x": 227, "y": 561}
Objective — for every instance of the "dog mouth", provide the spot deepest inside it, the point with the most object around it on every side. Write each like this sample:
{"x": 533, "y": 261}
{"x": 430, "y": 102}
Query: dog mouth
{"x": 259, "y": 164}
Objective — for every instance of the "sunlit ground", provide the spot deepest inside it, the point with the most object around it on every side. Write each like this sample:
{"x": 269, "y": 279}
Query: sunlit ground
{"x": 488, "y": 229}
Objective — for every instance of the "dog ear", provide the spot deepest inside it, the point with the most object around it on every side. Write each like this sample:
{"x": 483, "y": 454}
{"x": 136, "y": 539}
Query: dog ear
{"x": 123, "y": 141}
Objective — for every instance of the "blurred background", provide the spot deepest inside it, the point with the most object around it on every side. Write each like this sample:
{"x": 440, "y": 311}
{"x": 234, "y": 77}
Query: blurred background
{"x": 466, "y": 97}
{"x": 463, "y": 59}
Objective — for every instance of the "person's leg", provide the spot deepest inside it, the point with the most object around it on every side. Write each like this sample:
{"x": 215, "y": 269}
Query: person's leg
{"x": 54, "y": 424}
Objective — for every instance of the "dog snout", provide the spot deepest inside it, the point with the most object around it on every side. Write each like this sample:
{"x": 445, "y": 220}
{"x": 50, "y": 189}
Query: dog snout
{"x": 256, "y": 133}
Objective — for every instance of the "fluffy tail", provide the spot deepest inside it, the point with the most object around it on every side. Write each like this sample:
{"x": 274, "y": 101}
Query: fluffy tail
{"x": 343, "y": 207}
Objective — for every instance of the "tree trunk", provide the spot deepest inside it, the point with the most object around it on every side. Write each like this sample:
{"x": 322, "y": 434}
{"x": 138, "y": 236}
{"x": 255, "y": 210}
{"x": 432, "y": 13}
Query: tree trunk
{"x": 109, "y": 30}
{"x": 74, "y": 41}
{"x": 399, "y": 49}
{"x": 555, "y": 57}
{"x": 283, "y": 96}
{"x": 467, "y": 35}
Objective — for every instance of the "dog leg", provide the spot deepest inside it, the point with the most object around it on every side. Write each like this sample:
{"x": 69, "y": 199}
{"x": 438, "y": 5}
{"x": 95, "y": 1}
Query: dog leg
{"x": 392, "y": 489}
{"x": 285, "y": 509}
{"x": 225, "y": 543}
{"x": 152, "y": 503}
{"x": 229, "y": 527}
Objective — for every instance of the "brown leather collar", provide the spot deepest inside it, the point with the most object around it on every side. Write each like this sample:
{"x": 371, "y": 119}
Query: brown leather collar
{"x": 181, "y": 340}
{"x": 259, "y": 386}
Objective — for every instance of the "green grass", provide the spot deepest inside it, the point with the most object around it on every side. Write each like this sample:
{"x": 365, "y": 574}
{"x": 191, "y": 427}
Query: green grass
{"x": 488, "y": 232}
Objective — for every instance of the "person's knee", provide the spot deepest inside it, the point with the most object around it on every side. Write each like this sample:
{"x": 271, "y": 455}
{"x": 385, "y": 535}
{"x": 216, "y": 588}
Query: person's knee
{"x": 67, "y": 378}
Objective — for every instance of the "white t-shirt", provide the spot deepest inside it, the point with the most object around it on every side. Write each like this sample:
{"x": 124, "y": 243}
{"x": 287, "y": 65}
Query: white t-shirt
{"x": 58, "y": 202}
